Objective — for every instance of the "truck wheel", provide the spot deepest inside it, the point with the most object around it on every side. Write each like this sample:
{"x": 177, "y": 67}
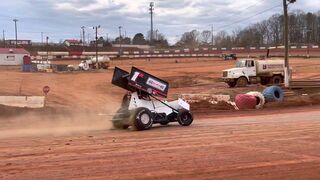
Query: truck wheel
{"x": 242, "y": 82}
{"x": 264, "y": 81}
{"x": 141, "y": 119}
{"x": 231, "y": 84}
{"x": 185, "y": 118}
{"x": 276, "y": 79}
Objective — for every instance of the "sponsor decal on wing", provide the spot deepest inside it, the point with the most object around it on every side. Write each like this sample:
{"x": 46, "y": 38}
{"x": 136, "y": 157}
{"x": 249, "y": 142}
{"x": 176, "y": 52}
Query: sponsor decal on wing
{"x": 156, "y": 84}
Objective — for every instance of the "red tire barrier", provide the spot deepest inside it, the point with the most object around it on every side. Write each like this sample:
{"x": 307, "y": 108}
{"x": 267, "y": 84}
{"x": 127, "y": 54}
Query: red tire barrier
{"x": 245, "y": 101}
{"x": 260, "y": 99}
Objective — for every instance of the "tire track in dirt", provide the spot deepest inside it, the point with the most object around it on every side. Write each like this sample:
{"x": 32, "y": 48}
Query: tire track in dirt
{"x": 235, "y": 148}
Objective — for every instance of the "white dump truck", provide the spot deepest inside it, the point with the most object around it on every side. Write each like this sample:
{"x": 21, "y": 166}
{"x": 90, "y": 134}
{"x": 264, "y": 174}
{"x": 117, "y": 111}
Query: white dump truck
{"x": 250, "y": 71}
{"x": 103, "y": 62}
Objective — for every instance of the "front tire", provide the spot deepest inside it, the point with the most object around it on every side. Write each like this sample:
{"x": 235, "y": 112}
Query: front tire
{"x": 242, "y": 82}
{"x": 185, "y": 118}
{"x": 141, "y": 119}
{"x": 231, "y": 84}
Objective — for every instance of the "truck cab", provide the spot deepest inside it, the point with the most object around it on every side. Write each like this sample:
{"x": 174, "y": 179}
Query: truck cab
{"x": 240, "y": 75}
{"x": 249, "y": 67}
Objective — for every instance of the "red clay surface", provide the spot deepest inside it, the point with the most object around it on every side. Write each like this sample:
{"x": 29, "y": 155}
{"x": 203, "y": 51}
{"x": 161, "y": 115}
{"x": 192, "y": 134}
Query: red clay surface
{"x": 72, "y": 140}
{"x": 280, "y": 146}
{"x": 93, "y": 90}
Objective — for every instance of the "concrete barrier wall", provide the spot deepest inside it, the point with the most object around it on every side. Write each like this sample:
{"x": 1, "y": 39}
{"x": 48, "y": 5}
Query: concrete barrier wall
{"x": 23, "y": 101}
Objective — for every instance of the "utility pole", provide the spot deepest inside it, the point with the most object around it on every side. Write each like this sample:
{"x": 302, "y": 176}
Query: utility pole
{"x": 83, "y": 35}
{"x": 156, "y": 36}
{"x": 286, "y": 42}
{"x": 120, "y": 41}
{"x": 47, "y": 47}
{"x": 81, "y": 39}
{"x": 41, "y": 38}
{"x": 15, "y": 26}
{"x": 308, "y": 42}
{"x": 151, "y": 13}
{"x": 4, "y": 39}
{"x": 97, "y": 62}
{"x": 212, "y": 35}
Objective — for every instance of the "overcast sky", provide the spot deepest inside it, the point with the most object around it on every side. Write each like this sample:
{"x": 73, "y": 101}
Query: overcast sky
{"x": 61, "y": 19}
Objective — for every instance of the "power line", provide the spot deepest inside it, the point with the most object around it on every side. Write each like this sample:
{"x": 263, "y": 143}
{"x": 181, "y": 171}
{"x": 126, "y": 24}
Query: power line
{"x": 242, "y": 10}
{"x": 245, "y": 19}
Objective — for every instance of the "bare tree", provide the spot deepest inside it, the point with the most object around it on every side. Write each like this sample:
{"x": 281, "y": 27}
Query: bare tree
{"x": 161, "y": 41}
{"x": 205, "y": 37}
{"x": 189, "y": 39}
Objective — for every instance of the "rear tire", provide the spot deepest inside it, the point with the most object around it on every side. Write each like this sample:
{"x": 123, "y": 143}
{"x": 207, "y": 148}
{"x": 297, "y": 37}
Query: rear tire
{"x": 119, "y": 125}
{"x": 242, "y": 82}
{"x": 276, "y": 80}
{"x": 185, "y": 118}
{"x": 119, "y": 119}
{"x": 141, "y": 119}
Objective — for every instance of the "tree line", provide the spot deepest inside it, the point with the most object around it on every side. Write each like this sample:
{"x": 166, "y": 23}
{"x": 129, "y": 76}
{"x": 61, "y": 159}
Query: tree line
{"x": 304, "y": 29}
{"x": 159, "y": 40}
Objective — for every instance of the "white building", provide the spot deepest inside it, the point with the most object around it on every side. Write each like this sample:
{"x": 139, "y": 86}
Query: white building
{"x": 132, "y": 46}
{"x": 12, "y": 56}
{"x": 72, "y": 42}
{"x": 19, "y": 42}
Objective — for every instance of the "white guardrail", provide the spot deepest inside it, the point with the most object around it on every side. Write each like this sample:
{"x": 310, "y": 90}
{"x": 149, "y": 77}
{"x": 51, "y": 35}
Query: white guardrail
{"x": 23, "y": 101}
{"x": 187, "y": 52}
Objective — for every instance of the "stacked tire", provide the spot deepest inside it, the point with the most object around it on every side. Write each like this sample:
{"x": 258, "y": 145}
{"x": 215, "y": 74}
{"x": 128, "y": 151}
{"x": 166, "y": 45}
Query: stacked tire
{"x": 245, "y": 101}
{"x": 273, "y": 94}
{"x": 259, "y": 97}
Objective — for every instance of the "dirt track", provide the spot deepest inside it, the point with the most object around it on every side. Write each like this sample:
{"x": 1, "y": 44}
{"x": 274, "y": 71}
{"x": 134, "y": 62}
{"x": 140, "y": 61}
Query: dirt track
{"x": 280, "y": 146}
{"x": 76, "y": 142}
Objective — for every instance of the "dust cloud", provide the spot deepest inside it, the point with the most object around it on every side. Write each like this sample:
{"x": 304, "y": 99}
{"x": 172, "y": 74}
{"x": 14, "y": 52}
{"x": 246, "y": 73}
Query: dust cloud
{"x": 35, "y": 124}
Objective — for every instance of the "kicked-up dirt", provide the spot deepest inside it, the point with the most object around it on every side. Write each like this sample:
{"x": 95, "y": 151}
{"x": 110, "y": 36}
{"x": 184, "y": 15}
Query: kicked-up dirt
{"x": 272, "y": 145}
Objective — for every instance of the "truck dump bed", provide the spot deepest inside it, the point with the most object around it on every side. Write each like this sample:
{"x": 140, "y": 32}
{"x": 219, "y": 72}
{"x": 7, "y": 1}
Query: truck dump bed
{"x": 264, "y": 66}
